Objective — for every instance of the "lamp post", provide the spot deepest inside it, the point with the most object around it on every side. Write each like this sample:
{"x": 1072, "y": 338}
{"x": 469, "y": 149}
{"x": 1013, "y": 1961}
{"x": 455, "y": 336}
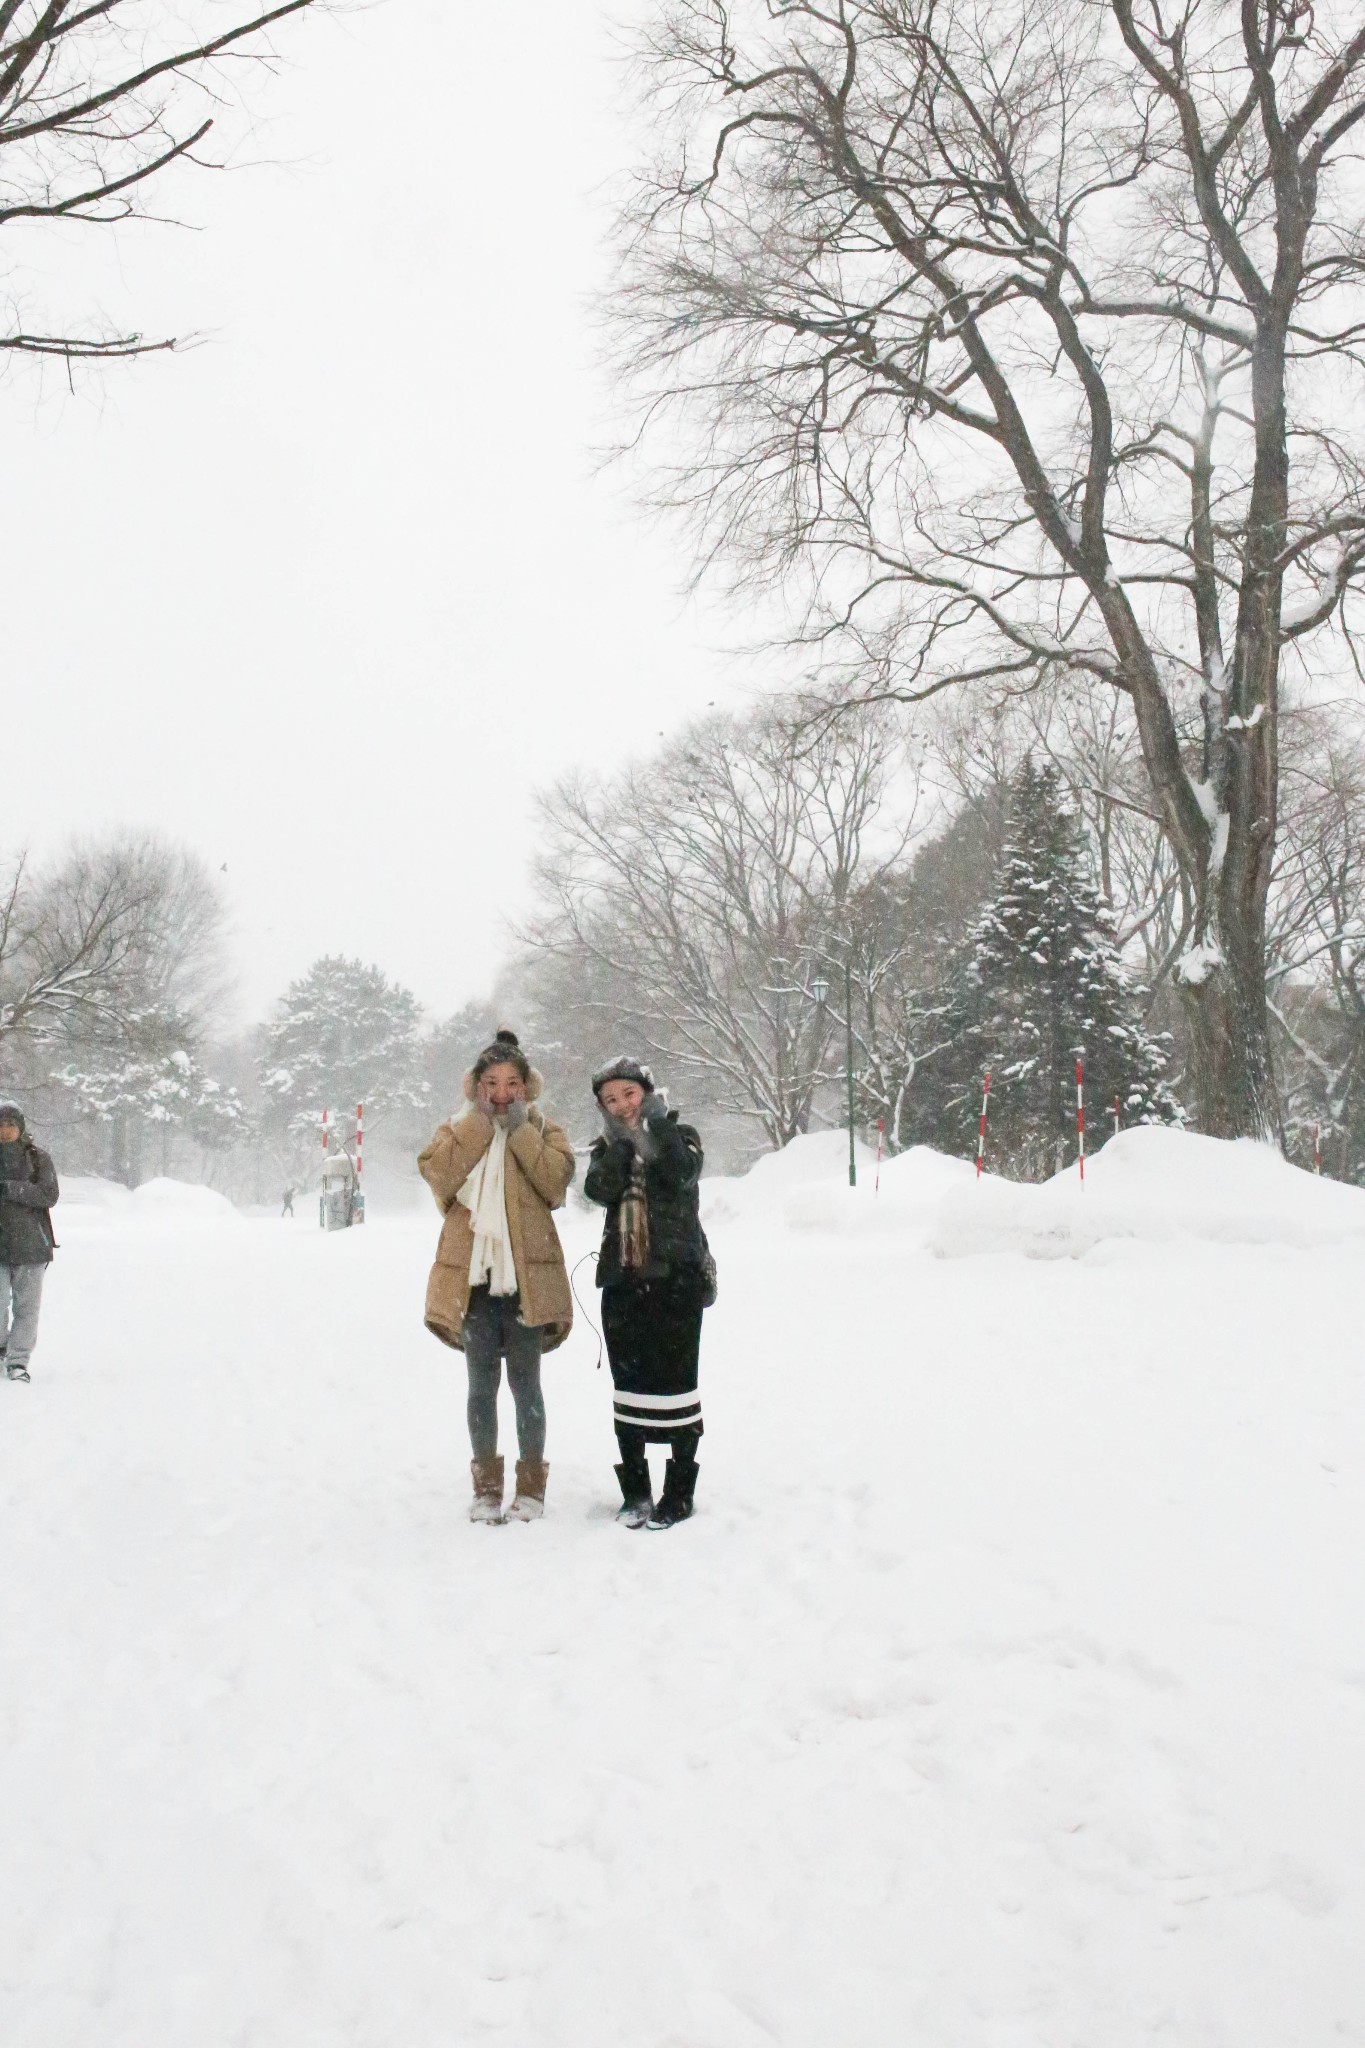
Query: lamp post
{"x": 819, "y": 988}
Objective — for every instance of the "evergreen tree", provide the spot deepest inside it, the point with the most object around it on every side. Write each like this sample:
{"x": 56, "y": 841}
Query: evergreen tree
{"x": 343, "y": 1035}
{"x": 1039, "y": 983}
{"x": 150, "y": 1087}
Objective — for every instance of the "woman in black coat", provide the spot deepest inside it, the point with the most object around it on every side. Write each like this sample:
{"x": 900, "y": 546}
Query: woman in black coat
{"x": 653, "y": 1273}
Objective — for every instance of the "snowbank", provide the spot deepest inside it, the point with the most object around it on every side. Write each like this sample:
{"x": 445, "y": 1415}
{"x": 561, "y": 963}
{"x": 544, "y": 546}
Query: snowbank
{"x": 89, "y": 1191}
{"x": 88, "y": 1201}
{"x": 817, "y": 1161}
{"x": 182, "y": 1201}
{"x": 913, "y": 1189}
{"x": 1153, "y": 1185}
{"x": 1158, "y": 1186}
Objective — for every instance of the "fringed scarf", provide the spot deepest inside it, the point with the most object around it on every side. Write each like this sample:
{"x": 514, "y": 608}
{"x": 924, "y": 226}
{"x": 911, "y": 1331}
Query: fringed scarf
{"x": 633, "y": 1222}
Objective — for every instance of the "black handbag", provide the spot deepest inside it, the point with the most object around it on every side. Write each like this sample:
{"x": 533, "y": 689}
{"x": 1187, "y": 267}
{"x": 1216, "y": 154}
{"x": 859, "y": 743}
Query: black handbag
{"x": 710, "y": 1279}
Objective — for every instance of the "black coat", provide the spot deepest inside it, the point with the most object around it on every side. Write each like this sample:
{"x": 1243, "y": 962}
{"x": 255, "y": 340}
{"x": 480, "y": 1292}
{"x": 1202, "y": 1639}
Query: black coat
{"x": 28, "y": 1188}
{"x": 672, "y": 1171}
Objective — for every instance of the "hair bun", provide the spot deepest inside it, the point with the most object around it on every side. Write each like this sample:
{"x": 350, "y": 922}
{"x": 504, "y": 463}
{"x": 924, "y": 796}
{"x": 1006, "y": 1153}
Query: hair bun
{"x": 503, "y": 1036}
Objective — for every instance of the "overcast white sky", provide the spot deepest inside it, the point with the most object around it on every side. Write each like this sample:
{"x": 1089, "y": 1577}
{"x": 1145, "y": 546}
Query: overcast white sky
{"x": 328, "y": 596}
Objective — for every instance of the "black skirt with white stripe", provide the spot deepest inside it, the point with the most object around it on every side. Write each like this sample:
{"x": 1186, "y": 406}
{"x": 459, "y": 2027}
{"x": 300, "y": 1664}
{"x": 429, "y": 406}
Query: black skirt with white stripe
{"x": 653, "y": 1333}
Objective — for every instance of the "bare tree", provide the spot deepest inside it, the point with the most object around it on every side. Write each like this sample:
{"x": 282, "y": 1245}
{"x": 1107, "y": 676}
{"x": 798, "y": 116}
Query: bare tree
{"x": 1032, "y": 334}
{"x": 72, "y": 940}
{"x": 897, "y": 947}
{"x": 99, "y": 98}
{"x": 1317, "y": 940}
{"x": 111, "y": 968}
{"x": 701, "y": 892}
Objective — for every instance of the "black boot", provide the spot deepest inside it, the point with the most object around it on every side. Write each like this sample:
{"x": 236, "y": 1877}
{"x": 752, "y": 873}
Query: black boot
{"x": 637, "y": 1502}
{"x": 675, "y": 1502}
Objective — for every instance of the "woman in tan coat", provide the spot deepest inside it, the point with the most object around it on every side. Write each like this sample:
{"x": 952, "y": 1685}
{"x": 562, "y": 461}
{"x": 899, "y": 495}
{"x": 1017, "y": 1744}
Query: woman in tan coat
{"x": 499, "y": 1288}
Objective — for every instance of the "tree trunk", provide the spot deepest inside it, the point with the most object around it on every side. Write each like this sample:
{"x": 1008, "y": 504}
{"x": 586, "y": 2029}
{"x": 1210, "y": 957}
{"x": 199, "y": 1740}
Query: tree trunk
{"x": 1231, "y": 1069}
{"x": 136, "y": 1133}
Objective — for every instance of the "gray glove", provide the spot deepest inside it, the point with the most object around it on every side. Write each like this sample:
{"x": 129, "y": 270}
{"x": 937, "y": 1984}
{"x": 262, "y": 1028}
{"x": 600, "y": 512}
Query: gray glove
{"x": 618, "y": 1133}
{"x": 654, "y": 1109}
{"x": 517, "y": 1113}
{"x": 639, "y": 1138}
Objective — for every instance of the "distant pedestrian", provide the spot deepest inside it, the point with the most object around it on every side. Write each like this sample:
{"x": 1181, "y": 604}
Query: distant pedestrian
{"x": 499, "y": 1288}
{"x": 28, "y": 1189}
{"x": 288, "y": 1208}
{"x": 656, "y": 1277}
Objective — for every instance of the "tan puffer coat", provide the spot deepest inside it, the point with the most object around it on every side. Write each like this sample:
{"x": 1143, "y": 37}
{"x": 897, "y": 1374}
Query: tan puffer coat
{"x": 540, "y": 1165}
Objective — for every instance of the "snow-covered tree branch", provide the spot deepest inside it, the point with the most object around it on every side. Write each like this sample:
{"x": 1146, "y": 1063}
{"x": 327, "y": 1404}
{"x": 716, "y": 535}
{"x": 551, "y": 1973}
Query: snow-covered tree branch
{"x": 99, "y": 100}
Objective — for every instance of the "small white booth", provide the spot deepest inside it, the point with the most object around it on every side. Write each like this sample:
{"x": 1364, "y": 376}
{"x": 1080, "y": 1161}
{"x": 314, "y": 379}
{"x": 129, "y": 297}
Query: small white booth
{"x": 340, "y": 1203}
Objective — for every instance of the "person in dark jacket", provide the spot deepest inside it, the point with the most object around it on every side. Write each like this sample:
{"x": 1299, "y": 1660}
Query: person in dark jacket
{"x": 28, "y": 1189}
{"x": 652, "y": 1272}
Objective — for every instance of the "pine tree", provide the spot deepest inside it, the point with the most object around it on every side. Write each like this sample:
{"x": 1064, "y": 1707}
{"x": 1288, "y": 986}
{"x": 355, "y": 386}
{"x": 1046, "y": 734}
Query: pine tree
{"x": 1040, "y": 982}
{"x": 343, "y": 1035}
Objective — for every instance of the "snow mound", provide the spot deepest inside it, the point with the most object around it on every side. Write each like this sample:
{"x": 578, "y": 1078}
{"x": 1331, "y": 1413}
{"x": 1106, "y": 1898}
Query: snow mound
{"x": 904, "y": 1200}
{"x": 1150, "y": 1185}
{"x": 818, "y": 1160}
{"x": 89, "y": 1191}
{"x": 1157, "y": 1186}
{"x": 181, "y": 1201}
{"x": 805, "y": 1187}
{"x": 88, "y": 1202}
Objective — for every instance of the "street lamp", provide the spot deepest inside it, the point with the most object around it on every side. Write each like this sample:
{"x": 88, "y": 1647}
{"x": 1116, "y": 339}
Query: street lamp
{"x": 819, "y": 989}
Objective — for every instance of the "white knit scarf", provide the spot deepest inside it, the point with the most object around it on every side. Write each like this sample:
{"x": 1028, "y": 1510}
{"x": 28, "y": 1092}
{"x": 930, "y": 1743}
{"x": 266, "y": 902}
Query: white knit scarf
{"x": 484, "y": 1194}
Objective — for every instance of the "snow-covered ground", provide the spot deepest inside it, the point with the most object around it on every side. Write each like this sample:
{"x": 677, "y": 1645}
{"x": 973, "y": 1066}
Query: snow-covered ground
{"x": 1008, "y": 1690}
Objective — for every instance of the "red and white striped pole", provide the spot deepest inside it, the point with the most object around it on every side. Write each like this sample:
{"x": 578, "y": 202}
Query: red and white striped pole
{"x": 1317, "y": 1148}
{"x": 981, "y": 1133}
{"x": 325, "y": 1115}
{"x": 881, "y": 1133}
{"x": 359, "y": 1140}
{"x": 1080, "y": 1116}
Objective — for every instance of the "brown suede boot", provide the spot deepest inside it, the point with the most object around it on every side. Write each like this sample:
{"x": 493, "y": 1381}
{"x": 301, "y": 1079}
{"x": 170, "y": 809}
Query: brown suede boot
{"x": 529, "y": 1504}
{"x": 487, "y": 1503}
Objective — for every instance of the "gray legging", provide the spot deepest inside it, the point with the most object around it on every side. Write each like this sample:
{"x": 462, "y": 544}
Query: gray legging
{"x": 492, "y": 1333}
